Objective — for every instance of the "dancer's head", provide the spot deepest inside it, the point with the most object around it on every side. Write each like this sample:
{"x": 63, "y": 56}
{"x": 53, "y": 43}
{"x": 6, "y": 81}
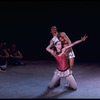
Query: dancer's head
{"x": 53, "y": 30}
{"x": 61, "y": 39}
{"x": 13, "y": 47}
{"x": 58, "y": 46}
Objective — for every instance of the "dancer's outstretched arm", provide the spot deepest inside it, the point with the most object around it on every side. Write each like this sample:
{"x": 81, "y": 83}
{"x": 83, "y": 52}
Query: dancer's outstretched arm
{"x": 76, "y": 42}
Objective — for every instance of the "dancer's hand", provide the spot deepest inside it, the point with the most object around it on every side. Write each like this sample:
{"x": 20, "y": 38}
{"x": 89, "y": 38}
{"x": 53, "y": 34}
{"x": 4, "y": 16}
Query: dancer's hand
{"x": 84, "y": 37}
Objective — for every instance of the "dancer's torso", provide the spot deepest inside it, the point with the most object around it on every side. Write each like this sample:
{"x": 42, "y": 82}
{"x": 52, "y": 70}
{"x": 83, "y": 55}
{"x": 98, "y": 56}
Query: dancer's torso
{"x": 62, "y": 62}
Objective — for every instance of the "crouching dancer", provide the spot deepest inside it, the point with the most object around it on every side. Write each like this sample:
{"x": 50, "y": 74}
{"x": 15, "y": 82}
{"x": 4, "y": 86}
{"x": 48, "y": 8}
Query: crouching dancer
{"x": 63, "y": 68}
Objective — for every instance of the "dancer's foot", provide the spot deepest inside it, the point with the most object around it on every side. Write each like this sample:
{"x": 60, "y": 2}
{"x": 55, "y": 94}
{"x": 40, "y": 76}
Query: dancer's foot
{"x": 2, "y": 70}
{"x": 50, "y": 87}
{"x": 22, "y": 64}
{"x": 68, "y": 86}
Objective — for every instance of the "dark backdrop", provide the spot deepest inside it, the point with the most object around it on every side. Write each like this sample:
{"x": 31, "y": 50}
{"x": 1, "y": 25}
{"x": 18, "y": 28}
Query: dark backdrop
{"x": 27, "y": 23}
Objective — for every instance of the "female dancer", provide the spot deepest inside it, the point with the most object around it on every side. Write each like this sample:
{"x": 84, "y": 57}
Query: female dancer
{"x": 63, "y": 69}
{"x": 65, "y": 40}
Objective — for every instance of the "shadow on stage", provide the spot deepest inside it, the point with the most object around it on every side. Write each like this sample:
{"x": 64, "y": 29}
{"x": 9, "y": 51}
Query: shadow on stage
{"x": 53, "y": 93}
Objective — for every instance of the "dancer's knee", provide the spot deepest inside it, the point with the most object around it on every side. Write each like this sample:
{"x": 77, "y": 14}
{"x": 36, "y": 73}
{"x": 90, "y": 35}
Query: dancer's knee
{"x": 75, "y": 88}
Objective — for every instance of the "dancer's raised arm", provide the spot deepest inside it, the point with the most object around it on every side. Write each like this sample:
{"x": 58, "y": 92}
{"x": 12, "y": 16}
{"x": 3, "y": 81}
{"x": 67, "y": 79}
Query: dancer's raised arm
{"x": 48, "y": 48}
{"x": 76, "y": 42}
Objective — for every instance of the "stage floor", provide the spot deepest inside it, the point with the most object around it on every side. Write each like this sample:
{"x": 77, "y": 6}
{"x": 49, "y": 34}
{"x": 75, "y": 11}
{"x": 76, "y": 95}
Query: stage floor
{"x": 31, "y": 81}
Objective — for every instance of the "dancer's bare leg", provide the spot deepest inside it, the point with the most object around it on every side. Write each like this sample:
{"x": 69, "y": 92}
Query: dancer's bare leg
{"x": 54, "y": 80}
{"x": 72, "y": 82}
{"x": 71, "y": 62}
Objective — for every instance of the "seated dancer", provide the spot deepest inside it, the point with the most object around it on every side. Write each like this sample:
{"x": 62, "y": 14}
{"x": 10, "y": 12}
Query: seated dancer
{"x": 63, "y": 68}
{"x": 15, "y": 56}
{"x": 4, "y": 55}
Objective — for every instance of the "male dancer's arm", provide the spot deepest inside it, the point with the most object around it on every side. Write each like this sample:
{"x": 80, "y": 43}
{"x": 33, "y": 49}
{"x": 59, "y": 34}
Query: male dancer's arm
{"x": 66, "y": 38}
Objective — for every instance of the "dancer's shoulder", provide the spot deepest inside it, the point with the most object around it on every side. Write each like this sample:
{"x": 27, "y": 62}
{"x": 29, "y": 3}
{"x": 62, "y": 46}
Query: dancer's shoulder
{"x": 62, "y": 33}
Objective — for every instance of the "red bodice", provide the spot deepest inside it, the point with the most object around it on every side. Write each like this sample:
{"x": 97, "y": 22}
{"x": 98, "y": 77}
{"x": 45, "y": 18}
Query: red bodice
{"x": 62, "y": 62}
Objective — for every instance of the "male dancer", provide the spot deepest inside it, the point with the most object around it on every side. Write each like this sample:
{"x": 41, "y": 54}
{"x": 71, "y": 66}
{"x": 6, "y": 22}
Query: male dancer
{"x": 65, "y": 42}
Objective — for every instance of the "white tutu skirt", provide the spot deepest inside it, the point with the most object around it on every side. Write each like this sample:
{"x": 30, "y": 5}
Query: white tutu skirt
{"x": 63, "y": 73}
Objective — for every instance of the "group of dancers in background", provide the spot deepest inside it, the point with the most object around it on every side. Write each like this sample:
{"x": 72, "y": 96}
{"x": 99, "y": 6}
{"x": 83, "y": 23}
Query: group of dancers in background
{"x": 61, "y": 48}
{"x": 9, "y": 56}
